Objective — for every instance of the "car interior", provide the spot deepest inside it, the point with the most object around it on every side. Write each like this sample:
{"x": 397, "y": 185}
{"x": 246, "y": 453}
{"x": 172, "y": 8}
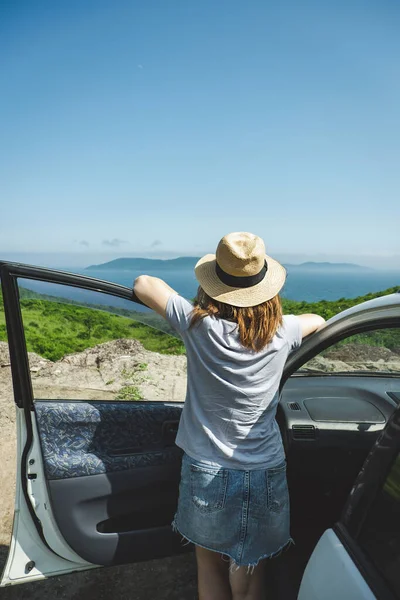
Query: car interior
{"x": 329, "y": 424}
{"x": 114, "y": 502}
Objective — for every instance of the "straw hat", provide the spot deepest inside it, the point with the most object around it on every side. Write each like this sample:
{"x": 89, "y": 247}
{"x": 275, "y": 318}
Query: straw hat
{"x": 240, "y": 273}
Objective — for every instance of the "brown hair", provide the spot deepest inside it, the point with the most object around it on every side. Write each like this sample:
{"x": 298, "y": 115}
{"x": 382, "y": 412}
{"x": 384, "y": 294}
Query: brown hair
{"x": 257, "y": 324}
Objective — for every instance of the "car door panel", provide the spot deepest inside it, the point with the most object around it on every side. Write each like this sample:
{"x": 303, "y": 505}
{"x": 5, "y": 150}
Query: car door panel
{"x": 330, "y": 420}
{"x": 88, "y": 438}
{"x": 100, "y": 518}
{"x": 325, "y": 450}
{"x": 111, "y": 476}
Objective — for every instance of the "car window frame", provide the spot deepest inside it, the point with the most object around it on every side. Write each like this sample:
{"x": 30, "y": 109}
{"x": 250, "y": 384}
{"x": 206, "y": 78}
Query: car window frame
{"x": 330, "y": 335}
{"x": 9, "y": 275}
{"x": 350, "y": 373}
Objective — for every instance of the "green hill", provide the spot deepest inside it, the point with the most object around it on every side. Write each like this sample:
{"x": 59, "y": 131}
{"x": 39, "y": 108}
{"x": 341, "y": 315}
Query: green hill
{"x": 55, "y": 327}
{"x": 189, "y": 262}
{"x": 330, "y": 308}
{"x": 324, "y": 266}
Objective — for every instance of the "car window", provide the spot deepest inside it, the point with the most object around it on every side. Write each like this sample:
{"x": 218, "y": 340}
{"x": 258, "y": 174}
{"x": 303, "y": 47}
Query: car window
{"x": 85, "y": 345}
{"x": 379, "y": 537}
{"x": 375, "y": 351}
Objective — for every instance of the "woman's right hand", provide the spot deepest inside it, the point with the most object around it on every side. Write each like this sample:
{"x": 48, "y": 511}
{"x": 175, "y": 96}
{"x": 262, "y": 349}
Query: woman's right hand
{"x": 310, "y": 323}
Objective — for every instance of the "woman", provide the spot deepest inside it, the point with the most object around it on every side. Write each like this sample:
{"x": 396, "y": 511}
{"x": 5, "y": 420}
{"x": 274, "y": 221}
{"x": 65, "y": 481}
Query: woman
{"x": 233, "y": 498}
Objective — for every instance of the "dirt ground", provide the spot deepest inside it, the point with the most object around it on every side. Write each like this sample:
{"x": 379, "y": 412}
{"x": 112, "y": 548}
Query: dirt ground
{"x": 167, "y": 579}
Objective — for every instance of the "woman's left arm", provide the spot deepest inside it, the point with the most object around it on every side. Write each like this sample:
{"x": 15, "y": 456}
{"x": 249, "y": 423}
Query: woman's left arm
{"x": 154, "y": 292}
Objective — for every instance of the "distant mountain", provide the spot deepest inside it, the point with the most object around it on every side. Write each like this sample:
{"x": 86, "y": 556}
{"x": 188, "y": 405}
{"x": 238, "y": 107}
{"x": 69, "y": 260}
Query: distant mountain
{"x": 188, "y": 262}
{"x": 143, "y": 264}
{"x": 328, "y": 265}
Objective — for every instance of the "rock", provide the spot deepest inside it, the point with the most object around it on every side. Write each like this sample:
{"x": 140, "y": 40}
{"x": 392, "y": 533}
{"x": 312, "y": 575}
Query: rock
{"x": 100, "y": 372}
{"x": 4, "y": 354}
{"x": 320, "y": 363}
{"x": 123, "y": 348}
{"x": 34, "y": 359}
{"x": 360, "y": 353}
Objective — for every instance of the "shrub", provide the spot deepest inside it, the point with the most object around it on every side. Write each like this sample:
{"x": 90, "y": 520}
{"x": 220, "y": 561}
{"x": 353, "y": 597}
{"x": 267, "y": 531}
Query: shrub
{"x": 129, "y": 392}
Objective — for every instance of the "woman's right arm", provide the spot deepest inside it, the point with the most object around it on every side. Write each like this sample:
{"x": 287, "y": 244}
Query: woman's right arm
{"x": 310, "y": 323}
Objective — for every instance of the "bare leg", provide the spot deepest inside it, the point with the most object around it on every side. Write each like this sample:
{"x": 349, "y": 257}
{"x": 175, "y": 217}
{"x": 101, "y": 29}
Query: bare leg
{"x": 212, "y": 575}
{"x": 248, "y": 584}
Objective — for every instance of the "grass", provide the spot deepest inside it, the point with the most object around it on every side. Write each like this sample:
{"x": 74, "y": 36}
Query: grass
{"x": 129, "y": 393}
{"x": 134, "y": 372}
{"x": 135, "y": 376}
{"x": 56, "y": 328}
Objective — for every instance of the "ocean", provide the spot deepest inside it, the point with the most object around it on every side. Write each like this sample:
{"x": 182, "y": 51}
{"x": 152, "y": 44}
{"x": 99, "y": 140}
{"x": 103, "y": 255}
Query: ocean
{"x": 306, "y": 284}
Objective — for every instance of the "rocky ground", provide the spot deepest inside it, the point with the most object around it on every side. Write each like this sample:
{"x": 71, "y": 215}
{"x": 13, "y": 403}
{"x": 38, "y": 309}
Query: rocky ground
{"x": 357, "y": 357}
{"x": 124, "y": 369}
{"x": 105, "y": 371}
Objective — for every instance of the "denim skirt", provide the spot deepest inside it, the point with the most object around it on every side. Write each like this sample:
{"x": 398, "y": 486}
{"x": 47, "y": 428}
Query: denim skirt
{"x": 243, "y": 515}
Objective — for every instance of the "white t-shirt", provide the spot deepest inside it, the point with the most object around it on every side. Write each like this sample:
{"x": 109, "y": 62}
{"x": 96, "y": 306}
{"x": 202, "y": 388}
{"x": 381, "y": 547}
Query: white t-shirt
{"x": 232, "y": 392}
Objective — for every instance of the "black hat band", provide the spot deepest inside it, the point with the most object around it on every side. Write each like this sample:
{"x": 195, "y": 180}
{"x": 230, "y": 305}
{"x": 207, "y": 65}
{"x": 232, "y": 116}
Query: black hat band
{"x": 241, "y": 282}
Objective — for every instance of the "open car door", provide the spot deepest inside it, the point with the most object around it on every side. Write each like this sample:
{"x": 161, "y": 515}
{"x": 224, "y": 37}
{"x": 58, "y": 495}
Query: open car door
{"x": 359, "y": 558}
{"x": 98, "y": 471}
{"x": 340, "y": 418}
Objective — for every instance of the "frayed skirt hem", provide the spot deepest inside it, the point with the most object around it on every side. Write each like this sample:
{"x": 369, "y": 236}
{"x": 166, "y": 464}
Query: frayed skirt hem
{"x": 235, "y": 564}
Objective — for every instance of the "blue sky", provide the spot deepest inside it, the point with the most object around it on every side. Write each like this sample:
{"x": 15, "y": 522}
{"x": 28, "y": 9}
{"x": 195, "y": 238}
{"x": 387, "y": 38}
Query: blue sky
{"x": 154, "y": 128}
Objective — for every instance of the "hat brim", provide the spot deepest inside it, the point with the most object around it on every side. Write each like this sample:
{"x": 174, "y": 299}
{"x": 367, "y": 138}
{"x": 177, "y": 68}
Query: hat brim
{"x": 269, "y": 287}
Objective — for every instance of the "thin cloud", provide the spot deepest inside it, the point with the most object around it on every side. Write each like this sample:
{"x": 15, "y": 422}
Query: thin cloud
{"x": 84, "y": 243}
{"x": 140, "y": 66}
{"x": 156, "y": 243}
{"x": 114, "y": 243}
